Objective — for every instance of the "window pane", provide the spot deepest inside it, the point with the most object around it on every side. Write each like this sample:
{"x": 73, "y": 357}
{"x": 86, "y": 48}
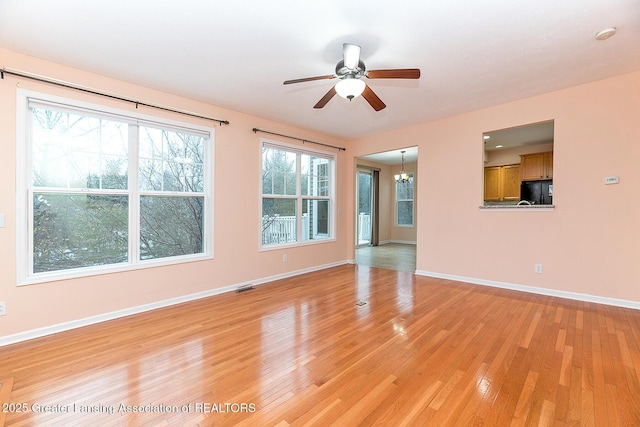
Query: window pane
{"x": 171, "y": 226}
{"x": 171, "y": 176}
{"x": 404, "y": 202}
{"x": 405, "y": 212}
{"x": 151, "y": 172}
{"x": 279, "y": 221}
{"x": 364, "y": 193}
{"x": 278, "y": 172}
{"x": 267, "y": 183}
{"x": 150, "y": 143}
{"x": 171, "y": 161}
{"x": 114, "y": 172}
{"x": 315, "y": 219}
{"x": 74, "y": 151}
{"x": 73, "y": 231}
{"x": 404, "y": 190}
{"x": 315, "y": 175}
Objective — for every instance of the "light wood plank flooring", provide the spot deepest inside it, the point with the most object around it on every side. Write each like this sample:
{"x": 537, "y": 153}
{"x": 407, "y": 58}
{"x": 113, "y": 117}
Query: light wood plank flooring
{"x": 394, "y": 256}
{"x": 299, "y": 351}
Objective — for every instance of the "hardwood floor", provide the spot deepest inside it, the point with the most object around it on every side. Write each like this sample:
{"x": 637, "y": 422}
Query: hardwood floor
{"x": 299, "y": 351}
{"x": 394, "y": 256}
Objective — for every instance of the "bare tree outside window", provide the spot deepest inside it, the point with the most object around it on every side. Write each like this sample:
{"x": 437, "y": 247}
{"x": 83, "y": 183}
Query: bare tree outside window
{"x": 72, "y": 154}
{"x": 80, "y": 176}
{"x": 172, "y": 179}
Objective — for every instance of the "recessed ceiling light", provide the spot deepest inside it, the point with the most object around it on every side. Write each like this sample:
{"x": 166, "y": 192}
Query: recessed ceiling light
{"x": 486, "y": 137}
{"x": 606, "y": 33}
{"x": 499, "y": 146}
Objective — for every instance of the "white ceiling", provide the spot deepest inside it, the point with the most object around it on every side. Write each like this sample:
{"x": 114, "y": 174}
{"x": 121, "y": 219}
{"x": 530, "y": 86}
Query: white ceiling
{"x": 531, "y": 134}
{"x": 236, "y": 54}
{"x": 394, "y": 157}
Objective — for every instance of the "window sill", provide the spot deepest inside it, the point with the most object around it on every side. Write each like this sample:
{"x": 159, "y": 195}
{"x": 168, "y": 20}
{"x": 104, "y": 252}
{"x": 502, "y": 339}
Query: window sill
{"x": 296, "y": 244}
{"x": 537, "y": 208}
{"x": 110, "y": 269}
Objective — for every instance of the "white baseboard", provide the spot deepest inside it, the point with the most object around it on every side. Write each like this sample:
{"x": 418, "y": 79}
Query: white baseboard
{"x": 534, "y": 290}
{"x": 73, "y": 324}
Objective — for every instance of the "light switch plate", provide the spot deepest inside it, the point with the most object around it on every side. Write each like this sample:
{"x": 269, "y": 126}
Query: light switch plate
{"x": 1, "y": 220}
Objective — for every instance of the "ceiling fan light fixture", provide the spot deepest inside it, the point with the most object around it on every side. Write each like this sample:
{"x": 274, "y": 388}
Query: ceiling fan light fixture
{"x": 350, "y": 72}
{"x": 402, "y": 177}
{"x": 350, "y": 88}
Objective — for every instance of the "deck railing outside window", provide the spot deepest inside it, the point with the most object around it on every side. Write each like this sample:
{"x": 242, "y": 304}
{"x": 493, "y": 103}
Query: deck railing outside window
{"x": 282, "y": 229}
{"x": 364, "y": 228}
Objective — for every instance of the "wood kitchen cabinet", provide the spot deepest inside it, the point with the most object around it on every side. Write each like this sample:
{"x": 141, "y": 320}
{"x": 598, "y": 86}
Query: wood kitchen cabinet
{"x": 536, "y": 166}
{"x": 511, "y": 182}
{"x": 548, "y": 164}
{"x": 492, "y": 192}
{"x": 502, "y": 183}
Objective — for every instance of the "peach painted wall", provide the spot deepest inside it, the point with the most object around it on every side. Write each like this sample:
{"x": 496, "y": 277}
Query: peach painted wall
{"x": 589, "y": 244}
{"x": 238, "y": 259}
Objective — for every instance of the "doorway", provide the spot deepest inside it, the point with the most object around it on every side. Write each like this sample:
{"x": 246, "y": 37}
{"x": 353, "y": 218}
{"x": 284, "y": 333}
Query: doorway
{"x": 386, "y": 237}
{"x": 367, "y": 207}
{"x": 364, "y": 210}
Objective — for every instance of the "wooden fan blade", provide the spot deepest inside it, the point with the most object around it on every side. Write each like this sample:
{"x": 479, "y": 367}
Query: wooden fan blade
{"x": 399, "y": 73}
{"x": 308, "y": 79}
{"x": 323, "y": 101}
{"x": 373, "y": 99}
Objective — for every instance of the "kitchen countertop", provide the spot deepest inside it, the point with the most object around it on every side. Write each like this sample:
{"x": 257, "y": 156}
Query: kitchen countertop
{"x": 514, "y": 206}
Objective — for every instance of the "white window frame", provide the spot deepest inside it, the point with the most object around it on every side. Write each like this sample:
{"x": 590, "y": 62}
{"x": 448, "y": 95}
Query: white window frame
{"x": 413, "y": 204}
{"x": 299, "y": 197}
{"x": 24, "y": 193}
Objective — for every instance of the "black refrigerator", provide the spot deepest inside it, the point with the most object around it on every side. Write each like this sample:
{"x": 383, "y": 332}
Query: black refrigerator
{"x": 537, "y": 192}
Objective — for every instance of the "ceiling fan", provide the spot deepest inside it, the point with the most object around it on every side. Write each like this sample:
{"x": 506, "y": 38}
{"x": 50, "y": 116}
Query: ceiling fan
{"x": 350, "y": 70}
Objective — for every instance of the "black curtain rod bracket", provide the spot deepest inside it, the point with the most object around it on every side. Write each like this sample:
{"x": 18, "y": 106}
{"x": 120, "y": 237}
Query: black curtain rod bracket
{"x": 256, "y": 130}
{"x": 54, "y": 82}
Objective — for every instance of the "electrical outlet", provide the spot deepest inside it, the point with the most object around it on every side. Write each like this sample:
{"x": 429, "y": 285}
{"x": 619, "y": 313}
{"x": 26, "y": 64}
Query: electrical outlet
{"x": 284, "y": 258}
{"x": 3, "y": 308}
{"x": 538, "y": 268}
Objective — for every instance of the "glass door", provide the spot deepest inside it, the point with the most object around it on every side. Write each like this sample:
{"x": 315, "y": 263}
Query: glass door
{"x": 364, "y": 184}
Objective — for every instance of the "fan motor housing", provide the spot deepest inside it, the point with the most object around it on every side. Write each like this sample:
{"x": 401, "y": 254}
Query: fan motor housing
{"x": 342, "y": 71}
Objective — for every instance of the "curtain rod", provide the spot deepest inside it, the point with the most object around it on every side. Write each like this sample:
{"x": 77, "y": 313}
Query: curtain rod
{"x": 61, "y": 83}
{"x": 256, "y": 130}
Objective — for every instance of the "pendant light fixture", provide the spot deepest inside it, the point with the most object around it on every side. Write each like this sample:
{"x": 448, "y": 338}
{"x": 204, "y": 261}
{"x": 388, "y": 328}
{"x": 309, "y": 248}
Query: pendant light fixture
{"x": 402, "y": 177}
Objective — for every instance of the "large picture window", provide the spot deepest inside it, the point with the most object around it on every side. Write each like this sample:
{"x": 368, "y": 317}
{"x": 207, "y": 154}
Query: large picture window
{"x": 107, "y": 190}
{"x": 297, "y": 195}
